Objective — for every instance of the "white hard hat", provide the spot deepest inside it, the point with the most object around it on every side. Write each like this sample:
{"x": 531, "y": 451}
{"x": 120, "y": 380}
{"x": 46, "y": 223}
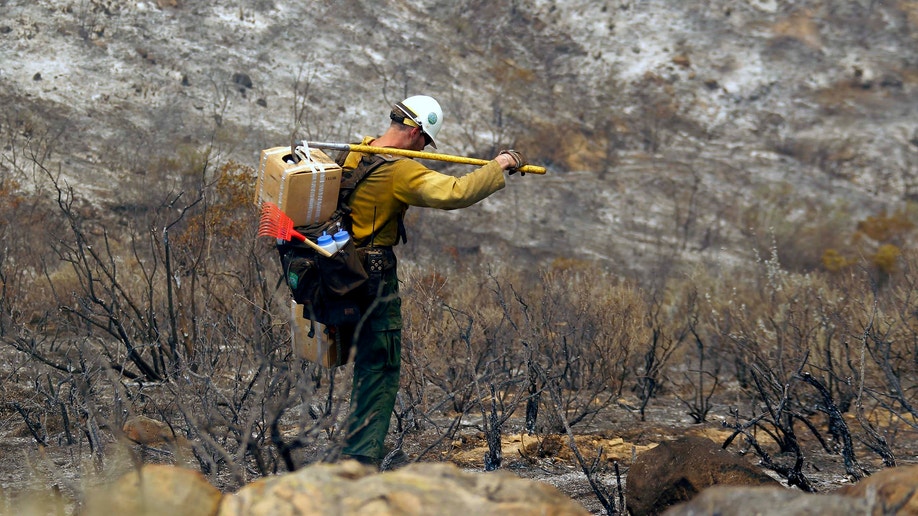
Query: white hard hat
{"x": 424, "y": 112}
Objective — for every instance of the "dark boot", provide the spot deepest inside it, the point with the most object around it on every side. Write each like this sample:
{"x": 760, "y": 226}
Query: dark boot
{"x": 393, "y": 460}
{"x": 363, "y": 459}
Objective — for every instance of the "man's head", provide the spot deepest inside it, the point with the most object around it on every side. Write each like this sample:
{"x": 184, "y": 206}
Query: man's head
{"x": 422, "y": 112}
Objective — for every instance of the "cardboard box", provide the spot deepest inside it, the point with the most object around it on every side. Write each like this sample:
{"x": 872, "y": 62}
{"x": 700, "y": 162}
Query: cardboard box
{"x": 322, "y": 347}
{"x": 306, "y": 191}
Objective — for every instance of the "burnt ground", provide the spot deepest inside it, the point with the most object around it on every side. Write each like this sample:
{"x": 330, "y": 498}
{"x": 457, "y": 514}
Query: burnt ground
{"x": 29, "y": 469}
{"x": 622, "y": 436}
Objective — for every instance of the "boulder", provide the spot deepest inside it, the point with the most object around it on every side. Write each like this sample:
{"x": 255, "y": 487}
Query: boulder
{"x": 151, "y": 432}
{"x": 156, "y": 489}
{"x": 676, "y": 471}
{"x": 767, "y": 501}
{"x": 350, "y": 488}
{"x": 892, "y": 490}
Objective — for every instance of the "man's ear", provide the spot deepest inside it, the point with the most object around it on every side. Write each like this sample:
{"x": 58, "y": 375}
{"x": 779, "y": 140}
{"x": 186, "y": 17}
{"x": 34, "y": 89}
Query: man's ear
{"x": 416, "y": 132}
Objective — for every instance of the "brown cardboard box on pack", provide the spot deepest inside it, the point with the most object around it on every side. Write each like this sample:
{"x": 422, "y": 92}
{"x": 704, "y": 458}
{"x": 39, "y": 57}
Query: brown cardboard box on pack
{"x": 322, "y": 348}
{"x": 306, "y": 191}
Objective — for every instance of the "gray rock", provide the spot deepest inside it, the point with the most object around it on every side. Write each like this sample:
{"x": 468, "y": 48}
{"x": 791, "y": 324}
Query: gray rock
{"x": 767, "y": 501}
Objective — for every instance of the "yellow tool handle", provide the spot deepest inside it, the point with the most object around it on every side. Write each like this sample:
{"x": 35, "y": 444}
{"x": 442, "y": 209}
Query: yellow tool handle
{"x": 529, "y": 169}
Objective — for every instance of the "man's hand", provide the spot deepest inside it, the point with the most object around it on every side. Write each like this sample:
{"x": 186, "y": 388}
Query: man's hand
{"x": 515, "y": 162}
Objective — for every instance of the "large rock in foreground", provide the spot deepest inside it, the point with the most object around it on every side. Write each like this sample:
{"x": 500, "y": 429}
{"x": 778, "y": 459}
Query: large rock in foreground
{"x": 892, "y": 491}
{"x": 342, "y": 489}
{"x": 768, "y": 501}
{"x": 676, "y": 471}
{"x": 156, "y": 489}
{"x": 418, "y": 489}
{"x": 895, "y": 490}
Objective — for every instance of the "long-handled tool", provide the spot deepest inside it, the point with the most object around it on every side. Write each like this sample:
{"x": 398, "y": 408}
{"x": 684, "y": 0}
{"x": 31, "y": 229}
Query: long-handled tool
{"x": 276, "y": 224}
{"x": 529, "y": 169}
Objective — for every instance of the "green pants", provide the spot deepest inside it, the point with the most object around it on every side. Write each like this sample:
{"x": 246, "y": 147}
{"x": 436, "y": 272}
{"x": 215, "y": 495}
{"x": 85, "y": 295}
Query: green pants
{"x": 377, "y": 365}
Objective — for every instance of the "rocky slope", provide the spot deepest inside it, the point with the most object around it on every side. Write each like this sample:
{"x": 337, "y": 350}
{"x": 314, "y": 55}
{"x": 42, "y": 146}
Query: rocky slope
{"x": 674, "y": 132}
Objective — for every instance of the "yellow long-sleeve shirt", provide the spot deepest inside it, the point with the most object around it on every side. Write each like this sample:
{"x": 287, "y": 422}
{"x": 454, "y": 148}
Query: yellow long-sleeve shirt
{"x": 382, "y": 198}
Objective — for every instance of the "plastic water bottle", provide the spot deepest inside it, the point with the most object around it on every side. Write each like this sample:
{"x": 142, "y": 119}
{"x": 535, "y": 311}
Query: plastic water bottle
{"x": 326, "y": 242}
{"x": 341, "y": 238}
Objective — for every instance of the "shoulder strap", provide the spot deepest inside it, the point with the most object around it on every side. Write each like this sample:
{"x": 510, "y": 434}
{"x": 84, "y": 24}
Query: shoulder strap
{"x": 341, "y": 157}
{"x": 351, "y": 178}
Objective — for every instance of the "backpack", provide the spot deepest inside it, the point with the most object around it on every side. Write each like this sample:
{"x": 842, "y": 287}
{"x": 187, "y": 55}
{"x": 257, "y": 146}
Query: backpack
{"x": 331, "y": 289}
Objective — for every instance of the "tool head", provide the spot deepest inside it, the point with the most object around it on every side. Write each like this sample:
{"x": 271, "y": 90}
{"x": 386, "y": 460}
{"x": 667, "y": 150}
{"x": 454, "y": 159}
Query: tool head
{"x": 276, "y": 224}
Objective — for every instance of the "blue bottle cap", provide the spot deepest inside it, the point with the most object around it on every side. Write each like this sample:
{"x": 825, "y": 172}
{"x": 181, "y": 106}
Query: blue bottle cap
{"x": 341, "y": 236}
{"x": 324, "y": 240}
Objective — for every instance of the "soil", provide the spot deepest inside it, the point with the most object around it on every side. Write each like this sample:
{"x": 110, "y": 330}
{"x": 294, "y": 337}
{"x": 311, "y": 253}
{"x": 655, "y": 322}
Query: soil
{"x": 617, "y": 433}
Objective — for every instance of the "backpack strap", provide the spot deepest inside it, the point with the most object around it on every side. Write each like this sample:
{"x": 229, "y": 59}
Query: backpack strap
{"x": 351, "y": 178}
{"x": 341, "y": 157}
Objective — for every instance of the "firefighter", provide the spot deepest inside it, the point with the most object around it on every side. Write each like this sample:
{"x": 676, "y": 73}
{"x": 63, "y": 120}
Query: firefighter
{"x": 379, "y": 204}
